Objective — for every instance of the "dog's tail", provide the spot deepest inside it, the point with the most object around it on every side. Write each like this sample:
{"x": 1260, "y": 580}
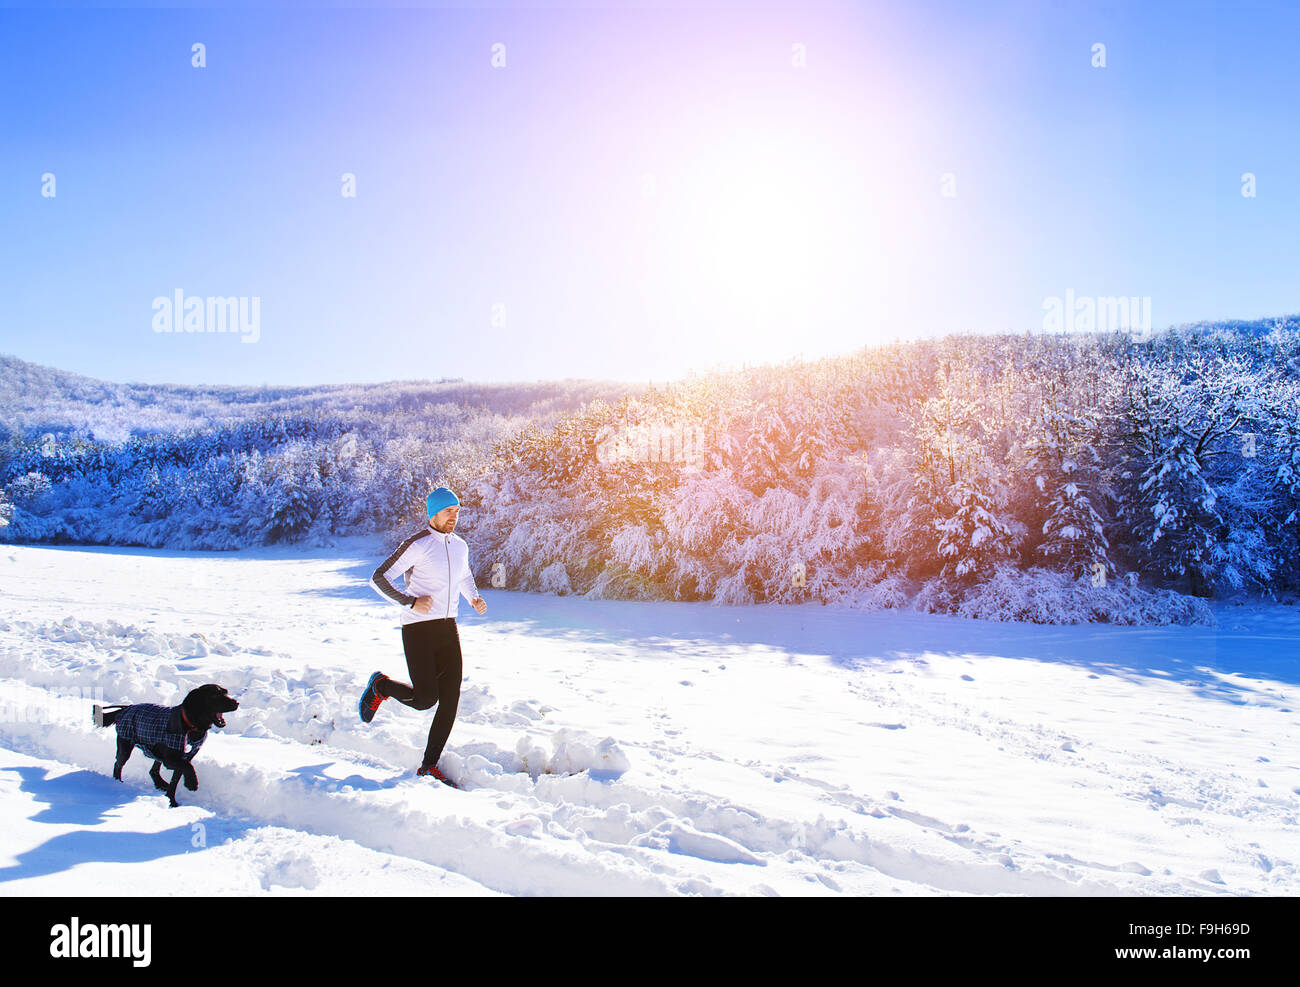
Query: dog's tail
{"x": 106, "y": 716}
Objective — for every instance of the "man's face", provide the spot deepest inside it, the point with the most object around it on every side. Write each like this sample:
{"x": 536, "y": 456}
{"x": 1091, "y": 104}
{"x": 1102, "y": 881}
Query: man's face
{"x": 445, "y": 519}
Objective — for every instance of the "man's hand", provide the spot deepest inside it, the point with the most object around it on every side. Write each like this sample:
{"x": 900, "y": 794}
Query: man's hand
{"x": 479, "y": 604}
{"x": 423, "y": 604}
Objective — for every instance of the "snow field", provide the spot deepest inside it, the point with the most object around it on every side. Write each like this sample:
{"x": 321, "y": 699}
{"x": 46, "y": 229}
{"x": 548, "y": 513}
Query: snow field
{"x": 714, "y": 763}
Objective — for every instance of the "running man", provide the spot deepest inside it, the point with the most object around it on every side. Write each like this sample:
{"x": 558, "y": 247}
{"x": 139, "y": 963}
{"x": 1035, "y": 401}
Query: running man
{"x": 436, "y": 564}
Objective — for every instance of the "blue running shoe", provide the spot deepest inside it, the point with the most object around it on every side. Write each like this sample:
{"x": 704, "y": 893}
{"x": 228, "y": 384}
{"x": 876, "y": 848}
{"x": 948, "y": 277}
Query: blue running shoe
{"x": 370, "y": 699}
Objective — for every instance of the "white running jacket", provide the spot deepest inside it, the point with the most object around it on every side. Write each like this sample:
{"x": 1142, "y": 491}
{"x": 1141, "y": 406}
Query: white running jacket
{"x": 435, "y": 565}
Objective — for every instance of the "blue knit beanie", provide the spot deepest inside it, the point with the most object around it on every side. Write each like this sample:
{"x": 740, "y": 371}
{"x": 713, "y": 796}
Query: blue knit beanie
{"x": 440, "y": 499}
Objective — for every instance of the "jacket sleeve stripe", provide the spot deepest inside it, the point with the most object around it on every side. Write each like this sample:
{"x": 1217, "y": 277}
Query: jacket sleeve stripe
{"x": 379, "y": 580}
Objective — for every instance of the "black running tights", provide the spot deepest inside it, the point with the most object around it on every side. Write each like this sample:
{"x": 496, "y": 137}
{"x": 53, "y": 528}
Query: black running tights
{"x": 434, "y": 661}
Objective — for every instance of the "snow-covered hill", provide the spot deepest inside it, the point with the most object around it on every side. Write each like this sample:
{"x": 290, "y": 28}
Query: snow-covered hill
{"x": 41, "y": 398}
{"x": 691, "y": 749}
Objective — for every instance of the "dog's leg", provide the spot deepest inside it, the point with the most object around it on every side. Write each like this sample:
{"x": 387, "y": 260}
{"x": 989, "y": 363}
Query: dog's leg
{"x": 171, "y": 790}
{"x": 124, "y": 749}
{"x": 156, "y": 774}
{"x": 175, "y": 762}
{"x": 186, "y": 771}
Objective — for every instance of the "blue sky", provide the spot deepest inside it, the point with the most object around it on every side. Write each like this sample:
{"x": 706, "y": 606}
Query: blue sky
{"x": 640, "y": 191}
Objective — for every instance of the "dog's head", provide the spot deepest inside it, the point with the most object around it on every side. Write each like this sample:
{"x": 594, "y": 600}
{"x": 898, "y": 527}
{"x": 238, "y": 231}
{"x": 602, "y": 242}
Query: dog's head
{"x": 204, "y": 706}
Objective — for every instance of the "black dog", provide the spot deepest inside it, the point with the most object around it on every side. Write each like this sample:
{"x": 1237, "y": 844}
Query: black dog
{"x": 164, "y": 732}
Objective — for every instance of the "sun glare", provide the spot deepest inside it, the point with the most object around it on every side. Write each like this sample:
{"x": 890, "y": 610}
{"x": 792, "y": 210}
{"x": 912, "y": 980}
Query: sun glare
{"x": 766, "y": 241}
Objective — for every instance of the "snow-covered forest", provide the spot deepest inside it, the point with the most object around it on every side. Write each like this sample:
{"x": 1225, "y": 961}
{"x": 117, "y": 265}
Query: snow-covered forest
{"x": 91, "y": 462}
{"x": 1049, "y": 478}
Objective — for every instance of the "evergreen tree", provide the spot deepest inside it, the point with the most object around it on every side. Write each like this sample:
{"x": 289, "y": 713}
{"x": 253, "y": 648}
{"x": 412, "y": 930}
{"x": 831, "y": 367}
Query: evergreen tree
{"x": 972, "y": 535}
{"x": 1172, "y": 515}
{"x": 295, "y": 495}
{"x": 1281, "y": 468}
{"x": 291, "y": 513}
{"x": 766, "y": 449}
{"x": 944, "y": 452}
{"x": 152, "y": 502}
{"x": 1188, "y": 513}
{"x": 1065, "y": 472}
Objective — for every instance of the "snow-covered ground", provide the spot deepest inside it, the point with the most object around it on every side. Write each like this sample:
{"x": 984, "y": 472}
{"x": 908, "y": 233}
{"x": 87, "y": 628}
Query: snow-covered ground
{"x": 764, "y": 750}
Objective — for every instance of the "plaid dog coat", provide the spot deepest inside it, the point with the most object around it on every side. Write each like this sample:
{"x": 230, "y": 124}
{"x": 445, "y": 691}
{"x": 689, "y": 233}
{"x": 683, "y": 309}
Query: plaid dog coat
{"x": 147, "y": 725}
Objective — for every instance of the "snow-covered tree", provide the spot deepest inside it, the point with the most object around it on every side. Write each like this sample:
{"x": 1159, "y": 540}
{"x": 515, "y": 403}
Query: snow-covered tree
{"x": 153, "y": 499}
{"x": 295, "y": 494}
{"x": 31, "y": 492}
{"x": 1175, "y": 420}
{"x": 973, "y": 533}
{"x": 1066, "y": 475}
{"x": 955, "y": 518}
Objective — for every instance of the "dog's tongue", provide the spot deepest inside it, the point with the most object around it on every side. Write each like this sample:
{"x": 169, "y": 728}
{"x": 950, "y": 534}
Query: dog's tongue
{"x": 220, "y": 720}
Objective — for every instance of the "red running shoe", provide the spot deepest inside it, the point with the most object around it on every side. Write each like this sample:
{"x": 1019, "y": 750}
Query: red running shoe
{"x": 432, "y": 769}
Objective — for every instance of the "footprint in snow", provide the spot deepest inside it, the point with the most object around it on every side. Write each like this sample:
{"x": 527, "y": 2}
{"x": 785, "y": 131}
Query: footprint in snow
{"x": 833, "y": 885}
{"x": 292, "y": 871}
